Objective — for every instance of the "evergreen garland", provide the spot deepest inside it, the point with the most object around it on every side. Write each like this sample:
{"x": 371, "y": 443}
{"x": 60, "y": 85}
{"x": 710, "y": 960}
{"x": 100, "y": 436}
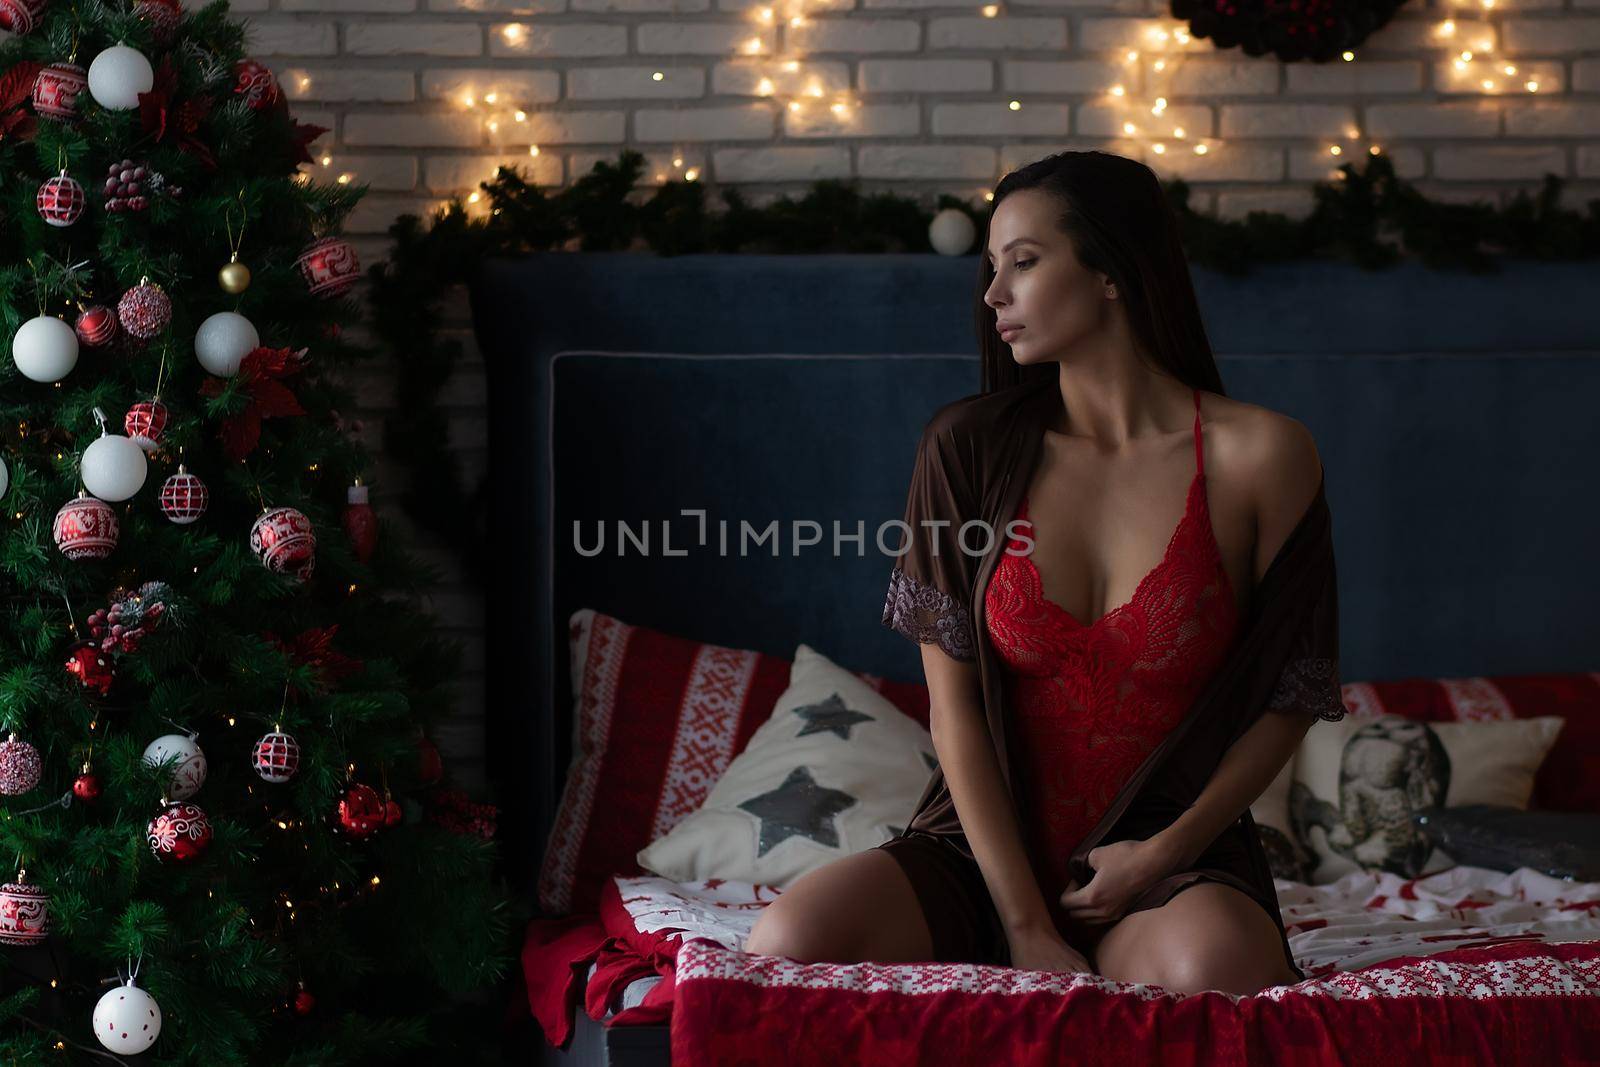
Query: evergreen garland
{"x": 1367, "y": 216}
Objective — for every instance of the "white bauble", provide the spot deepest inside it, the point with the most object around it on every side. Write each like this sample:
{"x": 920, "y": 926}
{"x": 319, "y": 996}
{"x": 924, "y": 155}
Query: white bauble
{"x": 113, "y": 467}
{"x": 951, "y": 232}
{"x": 190, "y": 772}
{"x": 5, "y": 478}
{"x": 127, "y": 1020}
{"x": 45, "y": 349}
{"x": 117, "y": 77}
{"x": 223, "y": 341}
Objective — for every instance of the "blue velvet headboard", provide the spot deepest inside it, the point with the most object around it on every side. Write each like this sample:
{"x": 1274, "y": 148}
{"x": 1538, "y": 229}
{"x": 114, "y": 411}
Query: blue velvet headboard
{"x": 1455, "y": 416}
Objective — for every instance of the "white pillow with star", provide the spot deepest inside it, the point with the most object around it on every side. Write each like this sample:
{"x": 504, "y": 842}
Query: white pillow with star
{"x": 837, "y": 769}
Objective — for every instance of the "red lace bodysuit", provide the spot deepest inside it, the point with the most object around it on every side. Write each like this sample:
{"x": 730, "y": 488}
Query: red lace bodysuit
{"x": 1091, "y": 702}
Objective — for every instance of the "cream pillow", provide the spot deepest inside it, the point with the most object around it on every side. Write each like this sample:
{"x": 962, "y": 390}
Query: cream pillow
{"x": 837, "y": 769}
{"x": 1358, "y": 781}
{"x": 1285, "y": 855}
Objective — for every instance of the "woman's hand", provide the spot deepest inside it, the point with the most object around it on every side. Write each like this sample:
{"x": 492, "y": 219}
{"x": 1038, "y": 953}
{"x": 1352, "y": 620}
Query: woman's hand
{"x": 1040, "y": 948}
{"x": 1122, "y": 870}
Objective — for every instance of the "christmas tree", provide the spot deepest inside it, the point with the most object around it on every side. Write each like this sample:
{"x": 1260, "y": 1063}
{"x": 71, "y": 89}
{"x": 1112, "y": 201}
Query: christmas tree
{"x": 215, "y": 680}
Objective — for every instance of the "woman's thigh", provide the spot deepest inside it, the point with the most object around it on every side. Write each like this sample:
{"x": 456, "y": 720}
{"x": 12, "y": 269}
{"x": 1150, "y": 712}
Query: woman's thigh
{"x": 1208, "y": 936}
{"x": 859, "y": 907}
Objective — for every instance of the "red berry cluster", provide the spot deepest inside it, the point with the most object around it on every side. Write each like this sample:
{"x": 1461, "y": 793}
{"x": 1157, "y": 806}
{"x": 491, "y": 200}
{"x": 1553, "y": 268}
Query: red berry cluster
{"x": 125, "y": 187}
{"x": 452, "y": 810}
{"x": 120, "y": 627}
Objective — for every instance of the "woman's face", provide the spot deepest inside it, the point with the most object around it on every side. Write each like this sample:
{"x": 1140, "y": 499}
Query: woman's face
{"x": 1039, "y": 284}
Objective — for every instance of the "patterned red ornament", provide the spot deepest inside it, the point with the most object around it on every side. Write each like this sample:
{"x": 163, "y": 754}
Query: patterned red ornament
{"x": 20, "y": 16}
{"x": 24, "y": 912}
{"x": 96, "y": 325}
{"x": 60, "y": 200}
{"x": 256, "y": 83}
{"x": 361, "y": 811}
{"x": 276, "y": 757}
{"x": 56, "y": 89}
{"x": 20, "y": 767}
{"x": 86, "y": 528}
{"x": 90, "y": 664}
{"x": 86, "y": 787}
{"x": 179, "y": 833}
{"x": 329, "y": 267}
{"x": 161, "y": 16}
{"x": 184, "y": 497}
{"x": 144, "y": 310}
{"x": 145, "y": 422}
{"x": 282, "y": 539}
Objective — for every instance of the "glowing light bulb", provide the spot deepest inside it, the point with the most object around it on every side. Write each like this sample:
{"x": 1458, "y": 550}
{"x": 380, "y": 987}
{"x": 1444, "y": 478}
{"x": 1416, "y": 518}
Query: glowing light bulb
{"x": 1466, "y": 57}
{"x": 1447, "y": 28}
{"x": 1488, "y": 83}
{"x": 1334, "y": 150}
{"x": 522, "y": 116}
{"x": 1133, "y": 54}
{"x": 1160, "y": 149}
{"x": 764, "y": 87}
{"x": 1160, "y": 64}
{"x": 1532, "y": 86}
{"x": 657, "y": 76}
{"x": 1117, "y": 90}
{"x": 1128, "y": 127}
{"x": 490, "y": 98}
{"x": 1200, "y": 149}
{"x": 691, "y": 174}
{"x": 1347, "y": 56}
{"x": 1373, "y": 150}
{"x": 1015, "y": 105}
{"x": 991, "y": 10}
{"x": 514, "y": 33}
{"x": 766, "y": 14}
{"x": 1509, "y": 69}
{"x": 753, "y": 45}
{"x": 1177, "y": 131}
{"x": 533, "y": 150}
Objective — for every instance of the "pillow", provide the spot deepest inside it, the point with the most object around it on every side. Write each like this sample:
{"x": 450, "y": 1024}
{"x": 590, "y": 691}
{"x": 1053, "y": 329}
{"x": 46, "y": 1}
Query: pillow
{"x": 835, "y": 770}
{"x": 656, "y": 719}
{"x": 1357, "y": 782}
{"x": 1285, "y": 855}
{"x": 1560, "y": 844}
{"x": 1569, "y": 780}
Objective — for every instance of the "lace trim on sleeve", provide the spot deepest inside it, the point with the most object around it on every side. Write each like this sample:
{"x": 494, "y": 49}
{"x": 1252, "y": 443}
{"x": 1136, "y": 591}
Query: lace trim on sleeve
{"x": 928, "y": 616}
{"x": 1309, "y": 684}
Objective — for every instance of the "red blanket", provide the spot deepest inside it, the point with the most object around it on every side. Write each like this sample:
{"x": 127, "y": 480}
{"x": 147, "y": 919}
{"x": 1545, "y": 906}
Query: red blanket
{"x": 1536, "y": 1004}
{"x": 557, "y": 953}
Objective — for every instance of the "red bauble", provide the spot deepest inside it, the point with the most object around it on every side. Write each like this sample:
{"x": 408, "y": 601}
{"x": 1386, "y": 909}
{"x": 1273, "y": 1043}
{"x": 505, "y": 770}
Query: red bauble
{"x": 304, "y": 1002}
{"x": 86, "y": 528}
{"x": 21, "y": 767}
{"x": 144, "y": 310}
{"x": 179, "y": 833}
{"x": 24, "y": 912}
{"x": 56, "y": 89}
{"x": 86, "y": 787}
{"x": 361, "y": 811}
{"x": 330, "y": 267}
{"x": 60, "y": 200}
{"x": 254, "y": 81}
{"x": 96, "y": 326}
{"x": 276, "y": 757}
{"x": 360, "y": 523}
{"x": 184, "y": 497}
{"x": 90, "y": 665}
{"x": 20, "y": 16}
{"x": 282, "y": 539}
{"x": 145, "y": 422}
{"x": 393, "y": 813}
{"x": 161, "y": 16}
{"x": 430, "y": 765}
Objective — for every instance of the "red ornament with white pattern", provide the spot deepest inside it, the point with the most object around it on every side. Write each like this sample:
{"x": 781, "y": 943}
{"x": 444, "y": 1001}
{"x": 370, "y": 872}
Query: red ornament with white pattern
{"x": 20, "y": 16}
{"x": 255, "y": 82}
{"x": 145, "y": 423}
{"x": 85, "y": 528}
{"x": 184, "y": 497}
{"x": 56, "y": 89}
{"x": 179, "y": 833}
{"x": 276, "y": 757}
{"x": 61, "y": 200}
{"x": 361, "y": 812}
{"x": 24, "y": 912}
{"x": 91, "y": 665}
{"x": 282, "y": 539}
{"x": 20, "y": 767}
{"x": 96, "y": 325}
{"x": 329, "y": 266}
{"x": 144, "y": 310}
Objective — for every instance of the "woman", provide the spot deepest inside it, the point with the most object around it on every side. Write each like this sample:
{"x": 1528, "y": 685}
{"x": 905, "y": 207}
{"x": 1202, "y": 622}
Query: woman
{"x": 1102, "y": 770}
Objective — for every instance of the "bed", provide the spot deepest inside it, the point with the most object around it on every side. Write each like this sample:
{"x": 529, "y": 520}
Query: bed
{"x": 1452, "y": 412}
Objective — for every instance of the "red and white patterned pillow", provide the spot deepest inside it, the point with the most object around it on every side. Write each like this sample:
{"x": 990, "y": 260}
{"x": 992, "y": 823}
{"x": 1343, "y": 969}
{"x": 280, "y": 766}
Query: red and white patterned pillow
{"x": 656, "y": 720}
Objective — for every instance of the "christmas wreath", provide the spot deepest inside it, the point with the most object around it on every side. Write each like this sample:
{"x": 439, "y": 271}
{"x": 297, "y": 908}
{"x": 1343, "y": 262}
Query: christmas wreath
{"x": 1318, "y": 30}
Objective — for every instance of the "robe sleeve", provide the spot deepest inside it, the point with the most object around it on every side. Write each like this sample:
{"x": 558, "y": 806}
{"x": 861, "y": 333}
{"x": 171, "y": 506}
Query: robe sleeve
{"x": 930, "y": 585}
{"x": 1309, "y": 681}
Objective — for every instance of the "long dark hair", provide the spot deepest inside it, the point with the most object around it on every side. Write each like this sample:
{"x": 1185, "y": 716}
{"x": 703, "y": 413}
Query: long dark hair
{"x": 1120, "y": 223}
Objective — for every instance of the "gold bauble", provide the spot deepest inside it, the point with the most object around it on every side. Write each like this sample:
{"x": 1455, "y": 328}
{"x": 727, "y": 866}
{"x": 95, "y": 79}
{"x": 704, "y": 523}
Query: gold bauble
{"x": 234, "y": 277}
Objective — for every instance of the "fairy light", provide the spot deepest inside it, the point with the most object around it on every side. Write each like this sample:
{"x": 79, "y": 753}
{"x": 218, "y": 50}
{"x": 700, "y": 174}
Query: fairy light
{"x": 514, "y": 33}
{"x": 1015, "y": 105}
{"x": 990, "y": 10}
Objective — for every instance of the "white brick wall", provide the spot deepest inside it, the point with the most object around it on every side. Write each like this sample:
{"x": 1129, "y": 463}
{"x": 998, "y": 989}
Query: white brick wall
{"x": 925, "y": 88}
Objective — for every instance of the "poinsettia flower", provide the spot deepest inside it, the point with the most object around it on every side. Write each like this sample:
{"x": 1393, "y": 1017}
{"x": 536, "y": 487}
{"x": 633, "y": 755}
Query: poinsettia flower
{"x": 260, "y": 374}
{"x": 162, "y": 118}
{"x": 16, "y": 89}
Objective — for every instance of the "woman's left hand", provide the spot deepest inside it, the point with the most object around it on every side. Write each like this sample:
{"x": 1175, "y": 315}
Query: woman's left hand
{"x": 1122, "y": 870}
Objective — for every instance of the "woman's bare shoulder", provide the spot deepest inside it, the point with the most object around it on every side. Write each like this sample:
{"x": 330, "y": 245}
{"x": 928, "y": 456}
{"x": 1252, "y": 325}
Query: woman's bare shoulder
{"x": 1272, "y": 460}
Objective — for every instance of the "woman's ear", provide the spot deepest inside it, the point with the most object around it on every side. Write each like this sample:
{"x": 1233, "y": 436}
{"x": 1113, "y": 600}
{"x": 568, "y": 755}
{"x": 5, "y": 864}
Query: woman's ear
{"x": 1109, "y": 286}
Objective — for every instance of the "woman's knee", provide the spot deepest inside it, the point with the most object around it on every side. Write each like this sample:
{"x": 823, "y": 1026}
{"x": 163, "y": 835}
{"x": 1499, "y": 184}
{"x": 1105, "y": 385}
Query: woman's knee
{"x": 1197, "y": 969}
{"x": 782, "y": 929}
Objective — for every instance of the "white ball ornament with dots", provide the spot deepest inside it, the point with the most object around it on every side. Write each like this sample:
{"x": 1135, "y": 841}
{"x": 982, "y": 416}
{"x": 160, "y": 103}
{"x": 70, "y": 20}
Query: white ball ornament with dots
{"x": 222, "y": 342}
{"x": 127, "y": 1020}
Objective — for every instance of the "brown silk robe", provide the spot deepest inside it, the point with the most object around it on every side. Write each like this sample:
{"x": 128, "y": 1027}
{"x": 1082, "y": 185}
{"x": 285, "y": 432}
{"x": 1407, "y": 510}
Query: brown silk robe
{"x": 975, "y": 460}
